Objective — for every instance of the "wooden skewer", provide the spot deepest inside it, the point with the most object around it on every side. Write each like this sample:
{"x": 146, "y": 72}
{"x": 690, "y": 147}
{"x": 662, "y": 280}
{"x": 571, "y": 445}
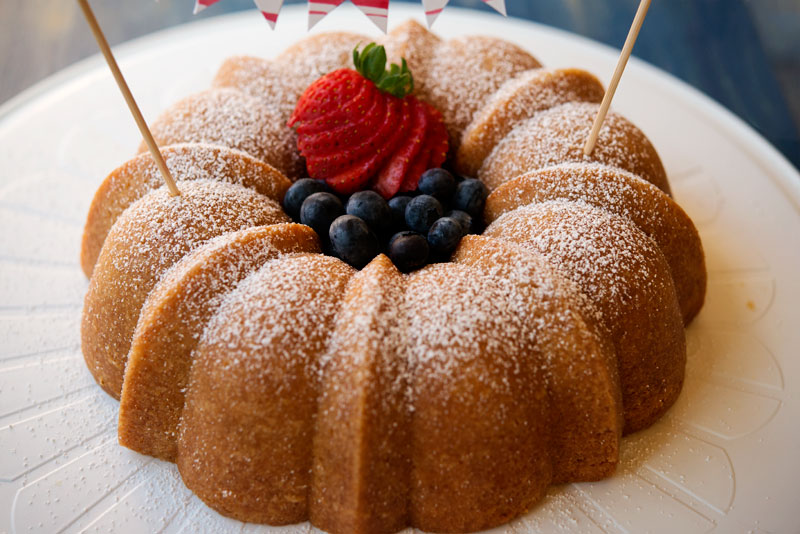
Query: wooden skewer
{"x": 126, "y": 92}
{"x": 644, "y": 5}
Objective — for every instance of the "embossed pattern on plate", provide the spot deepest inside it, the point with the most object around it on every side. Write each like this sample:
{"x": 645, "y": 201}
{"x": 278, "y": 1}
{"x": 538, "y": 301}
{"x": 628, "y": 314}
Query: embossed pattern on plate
{"x": 61, "y": 469}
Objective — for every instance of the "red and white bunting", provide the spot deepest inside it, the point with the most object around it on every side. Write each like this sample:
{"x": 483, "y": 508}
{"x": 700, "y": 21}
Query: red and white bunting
{"x": 270, "y": 10}
{"x": 434, "y": 7}
{"x": 317, "y": 9}
{"x": 200, "y": 5}
{"x": 376, "y": 10}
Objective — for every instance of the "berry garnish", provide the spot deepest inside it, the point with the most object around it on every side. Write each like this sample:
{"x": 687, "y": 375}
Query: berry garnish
{"x": 443, "y": 237}
{"x": 408, "y": 251}
{"x": 463, "y": 219}
{"x": 361, "y": 128}
{"x": 438, "y": 183}
{"x": 398, "y": 206}
{"x": 421, "y": 213}
{"x": 371, "y": 208}
{"x": 298, "y": 192}
{"x": 319, "y": 210}
{"x": 470, "y": 197}
{"x": 352, "y": 241}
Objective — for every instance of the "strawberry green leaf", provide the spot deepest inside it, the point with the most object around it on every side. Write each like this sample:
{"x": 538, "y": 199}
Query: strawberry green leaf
{"x": 371, "y": 63}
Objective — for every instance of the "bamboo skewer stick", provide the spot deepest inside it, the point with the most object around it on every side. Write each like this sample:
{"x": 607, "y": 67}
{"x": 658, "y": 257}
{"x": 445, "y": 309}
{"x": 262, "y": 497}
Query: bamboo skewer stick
{"x": 126, "y": 92}
{"x": 644, "y": 5}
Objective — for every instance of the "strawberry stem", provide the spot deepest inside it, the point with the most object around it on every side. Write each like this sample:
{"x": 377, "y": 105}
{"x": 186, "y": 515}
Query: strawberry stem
{"x": 371, "y": 63}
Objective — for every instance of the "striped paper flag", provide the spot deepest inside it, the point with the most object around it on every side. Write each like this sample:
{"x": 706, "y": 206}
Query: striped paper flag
{"x": 317, "y": 9}
{"x": 200, "y": 5}
{"x": 270, "y": 10}
{"x": 434, "y": 7}
{"x": 376, "y": 10}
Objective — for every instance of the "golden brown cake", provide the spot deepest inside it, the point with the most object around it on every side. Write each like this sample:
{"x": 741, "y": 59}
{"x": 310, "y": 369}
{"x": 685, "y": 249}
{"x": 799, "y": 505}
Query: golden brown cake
{"x": 190, "y": 161}
{"x": 159, "y": 360}
{"x": 288, "y": 386}
{"x": 516, "y": 100}
{"x": 557, "y": 135}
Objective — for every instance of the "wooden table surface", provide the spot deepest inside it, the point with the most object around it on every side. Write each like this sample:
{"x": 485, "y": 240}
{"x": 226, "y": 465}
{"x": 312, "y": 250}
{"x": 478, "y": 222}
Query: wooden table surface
{"x": 743, "y": 53}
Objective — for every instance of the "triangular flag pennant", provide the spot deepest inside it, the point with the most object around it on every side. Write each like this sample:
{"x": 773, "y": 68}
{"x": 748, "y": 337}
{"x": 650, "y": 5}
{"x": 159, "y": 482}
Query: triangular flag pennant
{"x": 317, "y": 9}
{"x": 432, "y": 9}
{"x": 376, "y": 10}
{"x": 270, "y": 10}
{"x": 498, "y": 5}
{"x": 200, "y": 5}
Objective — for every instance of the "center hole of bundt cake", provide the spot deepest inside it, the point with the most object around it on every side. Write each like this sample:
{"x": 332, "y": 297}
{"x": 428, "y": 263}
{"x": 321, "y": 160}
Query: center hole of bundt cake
{"x": 413, "y": 228}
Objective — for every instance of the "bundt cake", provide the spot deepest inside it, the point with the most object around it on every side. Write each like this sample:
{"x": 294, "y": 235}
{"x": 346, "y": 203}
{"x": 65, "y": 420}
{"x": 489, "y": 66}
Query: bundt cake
{"x": 288, "y": 386}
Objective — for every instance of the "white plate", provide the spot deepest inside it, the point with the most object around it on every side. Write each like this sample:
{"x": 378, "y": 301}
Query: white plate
{"x": 724, "y": 459}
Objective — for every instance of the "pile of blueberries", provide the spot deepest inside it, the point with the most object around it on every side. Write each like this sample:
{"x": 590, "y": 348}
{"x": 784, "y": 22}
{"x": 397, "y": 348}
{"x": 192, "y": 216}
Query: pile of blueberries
{"x": 413, "y": 229}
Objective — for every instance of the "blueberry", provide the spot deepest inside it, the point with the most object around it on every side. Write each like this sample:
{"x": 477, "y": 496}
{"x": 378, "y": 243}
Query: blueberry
{"x": 298, "y": 192}
{"x": 470, "y": 197}
{"x": 463, "y": 219}
{"x": 408, "y": 251}
{"x": 443, "y": 237}
{"x": 352, "y": 241}
{"x": 421, "y": 212}
{"x": 371, "y": 208}
{"x": 319, "y": 210}
{"x": 398, "y": 206}
{"x": 438, "y": 183}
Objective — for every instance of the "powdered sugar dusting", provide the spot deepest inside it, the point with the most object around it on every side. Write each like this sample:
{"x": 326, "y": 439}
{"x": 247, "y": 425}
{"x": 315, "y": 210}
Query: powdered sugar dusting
{"x": 624, "y": 194}
{"x": 557, "y": 135}
{"x": 516, "y": 100}
{"x": 230, "y": 118}
{"x": 284, "y": 310}
{"x": 603, "y": 253}
{"x": 147, "y": 239}
{"x": 317, "y": 55}
{"x": 463, "y": 73}
{"x": 195, "y": 161}
{"x": 216, "y": 267}
{"x": 454, "y": 317}
{"x": 414, "y": 43}
{"x": 160, "y": 229}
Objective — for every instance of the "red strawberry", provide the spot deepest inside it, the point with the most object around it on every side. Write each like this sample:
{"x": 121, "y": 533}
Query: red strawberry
{"x": 356, "y": 106}
{"x": 327, "y": 164}
{"x": 434, "y": 149}
{"x": 331, "y": 138}
{"x": 393, "y": 172}
{"x": 357, "y": 127}
{"x": 328, "y": 94}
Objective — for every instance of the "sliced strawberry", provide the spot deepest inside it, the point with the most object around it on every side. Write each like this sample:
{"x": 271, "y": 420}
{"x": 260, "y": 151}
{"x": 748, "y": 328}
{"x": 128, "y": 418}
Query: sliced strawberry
{"x": 357, "y": 175}
{"x": 363, "y": 124}
{"x": 434, "y": 150}
{"x": 328, "y": 94}
{"x": 361, "y": 101}
{"x": 328, "y": 165}
{"x": 439, "y": 138}
{"x": 360, "y": 128}
{"x": 418, "y": 166}
{"x": 393, "y": 172}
